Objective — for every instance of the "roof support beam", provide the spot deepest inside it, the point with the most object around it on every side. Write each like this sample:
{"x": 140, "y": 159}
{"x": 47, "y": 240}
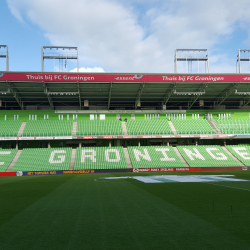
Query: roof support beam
{"x": 80, "y": 100}
{"x": 46, "y": 89}
{"x": 244, "y": 102}
{"x": 224, "y": 95}
{"x": 110, "y": 89}
{"x": 194, "y": 98}
{"x": 16, "y": 95}
{"x": 169, "y": 92}
{"x": 139, "y": 93}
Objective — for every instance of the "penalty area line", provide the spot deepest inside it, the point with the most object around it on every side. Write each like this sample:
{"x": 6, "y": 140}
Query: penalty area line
{"x": 227, "y": 186}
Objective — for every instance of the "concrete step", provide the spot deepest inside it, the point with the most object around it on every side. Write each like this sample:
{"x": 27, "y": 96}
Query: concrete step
{"x": 172, "y": 127}
{"x": 124, "y": 128}
{"x": 20, "y": 132}
{"x": 217, "y": 130}
{"x": 127, "y": 158}
{"x": 74, "y": 129}
{"x": 73, "y": 159}
{"x": 233, "y": 156}
{"x": 181, "y": 157}
{"x": 14, "y": 161}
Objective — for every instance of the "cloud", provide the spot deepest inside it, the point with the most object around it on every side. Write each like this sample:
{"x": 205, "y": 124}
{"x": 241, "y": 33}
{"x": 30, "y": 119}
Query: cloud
{"x": 135, "y": 36}
{"x": 94, "y": 69}
{"x": 15, "y": 9}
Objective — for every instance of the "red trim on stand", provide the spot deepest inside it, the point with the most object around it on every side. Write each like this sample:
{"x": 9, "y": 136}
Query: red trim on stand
{"x": 86, "y": 77}
{"x": 2, "y": 174}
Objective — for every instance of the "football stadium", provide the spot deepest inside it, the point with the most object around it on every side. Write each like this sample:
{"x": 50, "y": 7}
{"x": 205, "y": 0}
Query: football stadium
{"x": 124, "y": 161}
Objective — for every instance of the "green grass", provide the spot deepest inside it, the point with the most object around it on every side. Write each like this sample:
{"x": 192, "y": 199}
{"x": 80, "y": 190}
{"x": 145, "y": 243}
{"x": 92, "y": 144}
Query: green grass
{"x": 86, "y": 212}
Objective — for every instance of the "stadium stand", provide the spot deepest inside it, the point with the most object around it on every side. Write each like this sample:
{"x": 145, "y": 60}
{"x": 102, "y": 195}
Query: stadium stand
{"x": 43, "y": 159}
{"x": 207, "y": 156}
{"x": 7, "y": 155}
{"x": 235, "y": 126}
{"x": 241, "y": 152}
{"x": 154, "y": 157}
{"x": 48, "y": 128}
{"x": 193, "y": 126}
{"x": 100, "y": 158}
{"x": 142, "y": 127}
{"x": 9, "y": 128}
{"x": 99, "y": 127}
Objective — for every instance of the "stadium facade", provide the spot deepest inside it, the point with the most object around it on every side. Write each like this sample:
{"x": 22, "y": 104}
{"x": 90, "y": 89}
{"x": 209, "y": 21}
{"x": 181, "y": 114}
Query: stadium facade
{"x": 122, "y": 120}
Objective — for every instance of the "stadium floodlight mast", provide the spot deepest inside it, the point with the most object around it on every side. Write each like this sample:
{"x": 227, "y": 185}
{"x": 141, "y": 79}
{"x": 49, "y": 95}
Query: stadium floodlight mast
{"x": 61, "y": 53}
{"x": 4, "y": 54}
{"x": 243, "y": 56}
{"x": 189, "y": 56}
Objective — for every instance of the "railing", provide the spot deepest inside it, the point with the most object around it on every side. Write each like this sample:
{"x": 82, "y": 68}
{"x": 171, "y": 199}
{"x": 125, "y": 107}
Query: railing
{"x": 232, "y": 128}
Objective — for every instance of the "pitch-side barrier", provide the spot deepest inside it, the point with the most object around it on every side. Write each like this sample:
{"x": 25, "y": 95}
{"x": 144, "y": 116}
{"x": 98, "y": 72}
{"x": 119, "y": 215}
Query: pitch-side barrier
{"x": 135, "y": 170}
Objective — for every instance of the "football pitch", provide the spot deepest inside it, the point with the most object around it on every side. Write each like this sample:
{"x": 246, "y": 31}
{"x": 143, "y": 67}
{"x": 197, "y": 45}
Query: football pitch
{"x": 126, "y": 211}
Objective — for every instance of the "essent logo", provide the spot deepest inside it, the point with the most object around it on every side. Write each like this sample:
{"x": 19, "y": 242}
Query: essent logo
{"x": 138, "y": 76}
{"x": 128, "y": 78}
{"x": 1, "y": 74}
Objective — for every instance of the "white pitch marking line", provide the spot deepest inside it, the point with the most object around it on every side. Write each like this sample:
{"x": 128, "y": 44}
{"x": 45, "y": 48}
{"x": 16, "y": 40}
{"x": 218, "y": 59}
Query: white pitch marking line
{"x": 228, "y": 186}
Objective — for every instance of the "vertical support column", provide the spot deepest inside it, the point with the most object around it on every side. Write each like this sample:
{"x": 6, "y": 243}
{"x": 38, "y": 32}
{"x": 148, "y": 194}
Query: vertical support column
{"x": 196, "y": 142}
{"x": 16, "y": 144}
{"x": 109, "y": 143}
{"x": 80, "y": 144}
{"x": 225, "y": 142}
{"x": 168, "y": 143}
{"x": 77, "y": 61}
{"x": 139, "y": 143}
{"x": 42, "y": 61}
{"x": 49, "y": 145}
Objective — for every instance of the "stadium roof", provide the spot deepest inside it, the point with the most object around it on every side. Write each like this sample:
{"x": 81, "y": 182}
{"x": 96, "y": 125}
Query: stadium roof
{"x": 31, "y": 90}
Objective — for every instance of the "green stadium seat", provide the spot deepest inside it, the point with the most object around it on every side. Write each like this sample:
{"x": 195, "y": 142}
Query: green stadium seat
{"x": 233, "y": 126}
{"x": 154, "y": 157}
{"x": 48, "y": 128}
{"x": 99, "y": 127}
{"x": 100, "y": 158}
{"x": 207, "y": 156}
{"x": 241, "y": 152}
{"x": 141, "y": 127}
{"x": 9, "y": 128}
{"x": 6, "y": 157}
{"x": 43, "y": 159}
{"x": 193, "y": 126}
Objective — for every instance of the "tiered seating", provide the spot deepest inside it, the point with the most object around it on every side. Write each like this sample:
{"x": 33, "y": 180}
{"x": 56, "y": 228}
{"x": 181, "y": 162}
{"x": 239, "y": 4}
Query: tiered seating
{"x": 234, "y": 126}
{"x": 100, "y": 158}
{"x": 48, "y": 128}
{"x": 142, "y": 127}
{"x": 9, "y": 128}
{"x": 43, "y": 159}
{"x": 6, "y": 157}
{"x": 199, "y": 126}
{"x": 241, "y": 152}
{"x": 154, "y": 157}
{"x": 207, "y": 156}
{"x": 99, "y": 127}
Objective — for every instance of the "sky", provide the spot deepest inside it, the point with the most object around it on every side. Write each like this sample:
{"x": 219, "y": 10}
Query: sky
{"x": 137, "y": 36}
